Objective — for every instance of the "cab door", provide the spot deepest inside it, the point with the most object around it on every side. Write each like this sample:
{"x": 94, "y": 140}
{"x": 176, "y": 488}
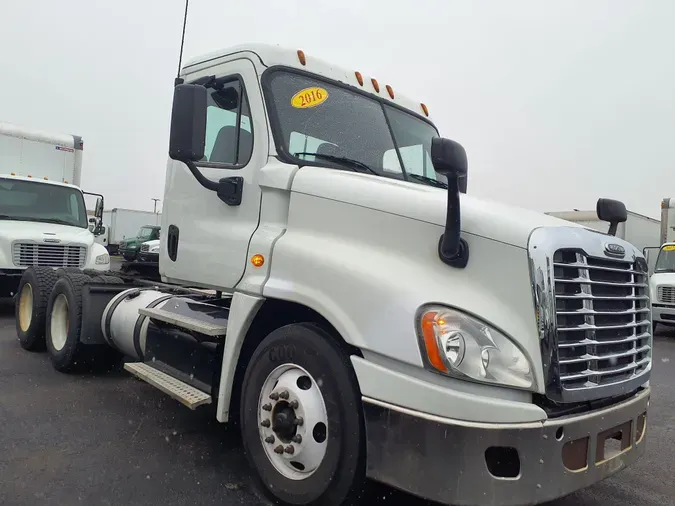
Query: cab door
{"x": 205, "y": 240}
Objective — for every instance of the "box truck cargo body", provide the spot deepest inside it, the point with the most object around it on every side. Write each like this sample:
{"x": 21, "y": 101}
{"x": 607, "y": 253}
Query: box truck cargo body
{"x": 125, "y": 223}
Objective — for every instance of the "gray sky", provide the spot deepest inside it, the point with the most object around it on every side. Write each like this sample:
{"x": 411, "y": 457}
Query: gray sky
{"x": 557, "y": 103}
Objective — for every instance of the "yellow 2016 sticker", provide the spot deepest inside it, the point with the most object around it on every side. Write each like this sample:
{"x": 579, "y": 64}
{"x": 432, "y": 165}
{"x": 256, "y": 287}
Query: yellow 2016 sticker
{"x": 668, "y": 248}
{"x": 309, "y": 97}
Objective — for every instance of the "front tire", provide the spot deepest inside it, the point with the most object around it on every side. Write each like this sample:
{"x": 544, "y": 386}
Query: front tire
{"x": 31, "y": 306}
{"x": 301, "y": 418}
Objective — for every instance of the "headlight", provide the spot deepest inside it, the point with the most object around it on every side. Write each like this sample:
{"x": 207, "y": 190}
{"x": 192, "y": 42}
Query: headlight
{"x": 154, "y": 249}
{"x": 103, "y": 259}
{"x": 458, "y": 345}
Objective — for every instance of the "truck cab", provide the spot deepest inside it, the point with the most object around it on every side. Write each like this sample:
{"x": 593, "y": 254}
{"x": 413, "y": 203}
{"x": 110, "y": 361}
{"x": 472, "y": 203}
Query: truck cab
{"x": 332, "y": 287}
{"x": 130, "y": 247}
{"x": 43, "y": 223}
{"x": 662, "y": 286}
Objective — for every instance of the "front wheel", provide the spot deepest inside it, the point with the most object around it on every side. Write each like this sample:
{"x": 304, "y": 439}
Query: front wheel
{"x": 301, "y": 418}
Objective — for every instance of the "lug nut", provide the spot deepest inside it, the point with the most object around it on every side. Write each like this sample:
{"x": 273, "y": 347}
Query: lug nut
{"x": 279, "y": 449}
{"x": 269, "y": 439}
{"x": 265, "y": 423}
{"x": 274, "y": 396}
{"x": 284, "y": 395}
{"x": 298, "y": 421}
{"x": 267, "y": 407}
{"x": 293, "y": 404}
{"x": 297, "y": 438}
{"x": 289, "y": 449}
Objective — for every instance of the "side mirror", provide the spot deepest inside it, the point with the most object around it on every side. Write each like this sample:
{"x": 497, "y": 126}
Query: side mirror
{"x": 188, "y": 123}
{"x": 612, "y": 211}
{"x": 449, "y": 159}
{"x": 98, "y": 210}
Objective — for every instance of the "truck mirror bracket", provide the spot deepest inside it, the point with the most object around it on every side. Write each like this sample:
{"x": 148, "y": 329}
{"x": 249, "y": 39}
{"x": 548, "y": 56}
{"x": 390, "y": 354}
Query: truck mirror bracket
{"x": 230, "y": 190}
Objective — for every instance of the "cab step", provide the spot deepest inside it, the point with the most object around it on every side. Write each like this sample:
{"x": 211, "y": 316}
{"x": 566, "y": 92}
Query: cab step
{"x": 182, "y": 392}
{"x": 184, "y": 322}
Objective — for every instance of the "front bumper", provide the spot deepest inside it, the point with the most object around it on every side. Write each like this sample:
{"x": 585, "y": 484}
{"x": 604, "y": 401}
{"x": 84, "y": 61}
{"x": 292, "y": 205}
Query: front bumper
{"x": 9, "y": 281}
{"x": 144, "y": 256}
{"x": 486, "y": 464}
{"x": 663, "y": 314}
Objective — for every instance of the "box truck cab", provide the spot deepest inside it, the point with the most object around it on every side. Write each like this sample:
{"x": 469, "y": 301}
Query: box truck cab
{"x": 662, "y": 286}
{"x": 43, "y": 218}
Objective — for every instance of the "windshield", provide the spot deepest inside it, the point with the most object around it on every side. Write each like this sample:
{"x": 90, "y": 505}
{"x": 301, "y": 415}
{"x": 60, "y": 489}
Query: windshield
{"x": 43, "y": 202}
{"x": 666, "y": 259}
{"x": 327, "y": 124}
{"x": 145, "y": 233}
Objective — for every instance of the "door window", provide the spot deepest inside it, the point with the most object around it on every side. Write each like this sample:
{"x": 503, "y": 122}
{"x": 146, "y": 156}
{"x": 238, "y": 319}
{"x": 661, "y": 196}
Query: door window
{"x": 229, "y": 133}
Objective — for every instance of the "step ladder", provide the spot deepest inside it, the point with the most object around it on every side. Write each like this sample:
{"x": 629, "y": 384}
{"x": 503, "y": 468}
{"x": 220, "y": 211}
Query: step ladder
{"x": 185, "y": 394}
{"x": 185, "y": 322}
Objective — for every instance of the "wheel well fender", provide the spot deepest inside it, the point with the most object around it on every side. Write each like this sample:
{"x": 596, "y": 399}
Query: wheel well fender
{"x": 252, "y": 318}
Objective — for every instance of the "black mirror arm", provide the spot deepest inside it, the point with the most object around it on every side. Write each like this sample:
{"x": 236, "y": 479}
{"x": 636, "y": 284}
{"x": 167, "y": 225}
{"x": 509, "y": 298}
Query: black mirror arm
{"x": 228, "y": 189}
{"x": 452, "y": 249}
{"x": 612, "y": 228}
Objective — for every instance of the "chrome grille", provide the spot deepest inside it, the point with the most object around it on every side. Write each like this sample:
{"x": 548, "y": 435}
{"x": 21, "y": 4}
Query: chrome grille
{"x": 48, "y": 255}
{"x": 603, "y": 320}
{"x": 145, "y": 247}
{"x": 666, "y": 294}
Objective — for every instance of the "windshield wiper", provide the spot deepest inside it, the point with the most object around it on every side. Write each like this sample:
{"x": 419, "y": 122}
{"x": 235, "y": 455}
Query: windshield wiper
{"x": 8, "y": 217}
{"x": 341, "y": 159}
{"x": 428, "y": 180}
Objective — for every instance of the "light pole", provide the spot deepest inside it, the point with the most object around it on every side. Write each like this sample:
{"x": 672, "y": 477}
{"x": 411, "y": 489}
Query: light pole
{"x": 155, "y": 200}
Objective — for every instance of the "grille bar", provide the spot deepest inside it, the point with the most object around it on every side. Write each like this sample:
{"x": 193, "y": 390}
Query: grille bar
{"x": 585, "y": 326}
{"x": 590, "y": 311}
{"x": 666, "y": 294}
{"x": 586, "y": 281}
{"x": 48, "y": 255}
{"x": 588, "y": 296}
{"x": 587, "y": 357}
{"x": 588, "y": 342}
{"x": 580, "y": 265}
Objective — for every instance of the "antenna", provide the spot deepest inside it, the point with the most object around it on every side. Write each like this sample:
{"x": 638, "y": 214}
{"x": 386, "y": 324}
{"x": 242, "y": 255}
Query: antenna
{"x": 182, "y": 43}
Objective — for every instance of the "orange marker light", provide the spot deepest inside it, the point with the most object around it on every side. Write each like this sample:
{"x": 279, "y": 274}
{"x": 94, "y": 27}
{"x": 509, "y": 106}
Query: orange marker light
{"x": 65, "y": 181}
{"x": 390, "y": 90}
{"x": 376, "y": 85}
{"x": 433, "y": 354}
{"x": 46, "y": 178}
{"x": 425, "y": 110}
{"x": 29, "y": 175}
{"x": 257, "y": 260}
{"x": 301, "y": 57}
{"x": 13, "y": 174}
{"x": 359, "y": 78}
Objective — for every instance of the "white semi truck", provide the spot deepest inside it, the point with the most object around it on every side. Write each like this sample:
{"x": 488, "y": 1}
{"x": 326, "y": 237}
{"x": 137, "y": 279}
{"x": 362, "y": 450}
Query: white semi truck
{"x": 43, "y": 220}
{"x": 329, "y": 286}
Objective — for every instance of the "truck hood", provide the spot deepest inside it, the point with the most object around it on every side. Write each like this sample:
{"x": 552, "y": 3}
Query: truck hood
{"x": 41, "y": 233}
{"x": 662, "y": 278}
{"x": 507, "y": 224}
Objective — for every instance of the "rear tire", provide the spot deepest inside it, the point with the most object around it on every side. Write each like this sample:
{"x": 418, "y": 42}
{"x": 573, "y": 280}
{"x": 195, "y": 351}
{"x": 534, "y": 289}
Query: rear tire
{"x": 31, "y": 306}
{"x": 326, "y": 465}
{"x": 64, "y": 324}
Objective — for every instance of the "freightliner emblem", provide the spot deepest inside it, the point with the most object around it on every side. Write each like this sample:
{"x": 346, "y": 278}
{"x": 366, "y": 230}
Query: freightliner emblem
{"x": 615, "y": 250}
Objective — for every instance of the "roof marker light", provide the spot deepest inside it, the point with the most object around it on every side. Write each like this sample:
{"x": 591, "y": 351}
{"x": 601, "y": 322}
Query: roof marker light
{"x": 425, "y": 110}
{"x": 359, "y": 78}
{"x": 390, "y": 90}
{"x": 301, "y": 57}
{"x": 376, "y": 85}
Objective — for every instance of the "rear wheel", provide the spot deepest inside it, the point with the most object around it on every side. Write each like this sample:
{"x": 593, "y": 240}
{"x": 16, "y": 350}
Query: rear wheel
{"x": 64, "y": 325}
{"x": 301, "y": 418}
{"x": 31, "y": 306}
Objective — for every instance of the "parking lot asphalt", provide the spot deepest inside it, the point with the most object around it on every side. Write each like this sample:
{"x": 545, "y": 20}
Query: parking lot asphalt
{"x": 113, "y": 440}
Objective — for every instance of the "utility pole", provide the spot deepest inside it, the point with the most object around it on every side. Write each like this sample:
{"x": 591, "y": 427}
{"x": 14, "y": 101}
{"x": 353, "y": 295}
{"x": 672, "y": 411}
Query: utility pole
{"x": 156, "y": 200}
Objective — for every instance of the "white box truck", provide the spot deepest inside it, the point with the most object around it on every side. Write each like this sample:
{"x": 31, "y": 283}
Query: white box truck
{"x": 356, "y": 312}
{"x": 126, "y": 224}
{"x": 43, "y": 220}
